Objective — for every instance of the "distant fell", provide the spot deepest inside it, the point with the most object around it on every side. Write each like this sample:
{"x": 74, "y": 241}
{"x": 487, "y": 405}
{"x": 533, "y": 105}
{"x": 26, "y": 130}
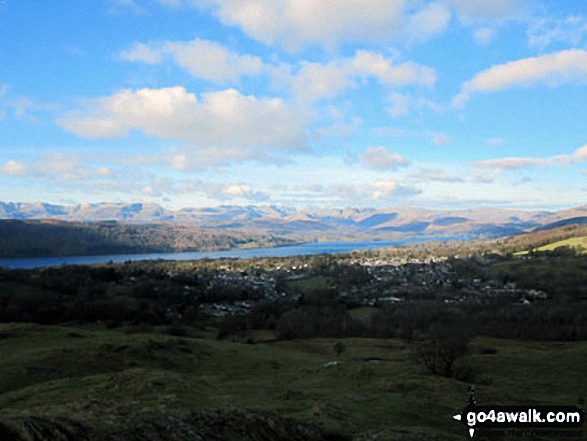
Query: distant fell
{"x": 301, "y": 225}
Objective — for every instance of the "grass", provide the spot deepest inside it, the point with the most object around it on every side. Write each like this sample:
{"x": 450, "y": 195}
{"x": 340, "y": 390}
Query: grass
{"x": 573, "y": 242}
{"x": 363, "y": 314}
{"x": 310, "y": 284}
{"x": 97, "y": 374}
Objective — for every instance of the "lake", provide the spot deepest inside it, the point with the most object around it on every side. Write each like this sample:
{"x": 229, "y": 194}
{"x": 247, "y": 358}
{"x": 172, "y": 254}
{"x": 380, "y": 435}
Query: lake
{"x": 305, "y": 249}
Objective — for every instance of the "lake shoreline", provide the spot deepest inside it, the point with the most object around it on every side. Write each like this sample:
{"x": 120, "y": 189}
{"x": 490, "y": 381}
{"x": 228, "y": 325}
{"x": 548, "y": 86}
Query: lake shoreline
{"x": 307, "y": 248}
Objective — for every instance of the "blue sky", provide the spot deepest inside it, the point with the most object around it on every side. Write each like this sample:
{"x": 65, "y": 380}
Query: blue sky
{"x": 330, "y": 103}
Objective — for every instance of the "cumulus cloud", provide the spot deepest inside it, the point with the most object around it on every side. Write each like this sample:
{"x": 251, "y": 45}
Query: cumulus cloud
{"x": 578, "y": 156}
{"x": 373, "y": 64}
{"x": 293, "y": 24}
{"x": 309, "y": 81}
{"x": 204, "y": 59}
{"x": 220, "y": 120}
{"x": 235, "y": 191}
{"x": 383, "y": 190}
{"x": 314, "y": 81}
{"x": 551, "y": 69}
{"x": 380, "y": 158}
{"x": 212, "y": 61}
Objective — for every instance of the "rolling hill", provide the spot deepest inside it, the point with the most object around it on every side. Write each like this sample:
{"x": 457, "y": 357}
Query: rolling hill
{"x": 47, "y": 229}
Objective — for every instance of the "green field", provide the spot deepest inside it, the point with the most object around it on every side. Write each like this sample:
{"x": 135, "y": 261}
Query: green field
{"x": 573, "y": 242}
{"x": 310, "y": 284}
{"x": 101, "y": 376}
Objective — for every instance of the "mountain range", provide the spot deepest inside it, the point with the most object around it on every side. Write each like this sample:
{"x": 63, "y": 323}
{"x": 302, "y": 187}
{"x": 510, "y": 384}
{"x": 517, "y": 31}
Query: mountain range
{"x": 311, "y": 224}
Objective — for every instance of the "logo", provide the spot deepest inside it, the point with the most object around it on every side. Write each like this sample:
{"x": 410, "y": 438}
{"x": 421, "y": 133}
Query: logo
{"x": 475, "y": 417}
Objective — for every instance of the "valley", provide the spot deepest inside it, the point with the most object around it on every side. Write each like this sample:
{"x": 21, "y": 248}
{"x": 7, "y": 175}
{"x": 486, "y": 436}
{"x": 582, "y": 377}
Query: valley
{"x": 324, "y": 347}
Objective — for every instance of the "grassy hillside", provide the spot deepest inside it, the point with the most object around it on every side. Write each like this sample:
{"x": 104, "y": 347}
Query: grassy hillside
{"x": 546, "y": 240}
{"x": 578, "y": 243}
{"x": 104, "y": 377}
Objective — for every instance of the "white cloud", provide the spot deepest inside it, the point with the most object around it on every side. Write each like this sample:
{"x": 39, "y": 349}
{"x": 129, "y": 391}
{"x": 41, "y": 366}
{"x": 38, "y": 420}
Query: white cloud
{"x": 207, "y": 60}
{"x": 516, "y": 163}
{"x": 189, "y": 158}
{"x": 224, "y": 119}
{"x": 340, "y": 129}
{"x": 552, "y": 69}
{"x": 309, "y": 81}
{"x": 569, "y": 30}
{"x": 14, "y": 168}
{"x": 473, "y": 11}
{"x": 316, "y": 81}
{"x": 511, "y": 163}
{"x": 485, "y": 178}
{"x": 21, "y": 107}
{"x": 400, "y": 105}
{"x": 391, "y": 189}
{"x": 403, "y": 104}
{"x": 59, "y": 167}
{"x": 578, "y": 156}
{"x": 367, "y": 63}
{"x": 294, "y": 24}
{"x": 380, "y": 158}
{"x": 68, "y": 167}
{"x": 235, "y": 191}
{"x": 485, "y": 16}
{"x": 435, "y": 175}
{"x": 431, "y": 20}
{"x": 212, "y": 61}
{"x": 441, "y": 139}
{"x": 141, "y": 52}
{"x": 382, "y": 190}
{"x": 484, "y": 35}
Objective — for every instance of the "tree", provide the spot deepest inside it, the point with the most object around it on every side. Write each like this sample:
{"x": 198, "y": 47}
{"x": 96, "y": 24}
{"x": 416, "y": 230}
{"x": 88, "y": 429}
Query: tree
{"x": 442, "y": 349}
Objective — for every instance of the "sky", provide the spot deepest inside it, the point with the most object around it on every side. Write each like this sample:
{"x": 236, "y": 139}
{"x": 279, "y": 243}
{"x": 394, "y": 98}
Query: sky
{"x": 305, "y": 103}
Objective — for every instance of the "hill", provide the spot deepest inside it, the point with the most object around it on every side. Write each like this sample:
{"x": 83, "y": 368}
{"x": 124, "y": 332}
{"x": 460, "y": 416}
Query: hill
{"x": 89, "y": 383}
{"x": 19, "y": 238}
{"x": 309, "y": 224}
{"x": 40, "y": 229}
